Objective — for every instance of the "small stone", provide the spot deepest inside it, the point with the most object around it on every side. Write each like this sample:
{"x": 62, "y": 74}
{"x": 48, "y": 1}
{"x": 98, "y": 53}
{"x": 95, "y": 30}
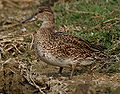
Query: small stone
{"x": 24, "y": 30}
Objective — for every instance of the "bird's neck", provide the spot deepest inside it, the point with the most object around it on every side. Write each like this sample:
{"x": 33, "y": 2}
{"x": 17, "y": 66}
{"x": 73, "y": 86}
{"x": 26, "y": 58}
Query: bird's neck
{"x": 47, "y": 24}
{"x": 46, "y": 29}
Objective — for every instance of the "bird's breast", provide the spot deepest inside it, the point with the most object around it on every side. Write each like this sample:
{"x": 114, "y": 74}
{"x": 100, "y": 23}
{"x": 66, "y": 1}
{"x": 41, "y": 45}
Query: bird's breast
{"x": 46, "y": 56}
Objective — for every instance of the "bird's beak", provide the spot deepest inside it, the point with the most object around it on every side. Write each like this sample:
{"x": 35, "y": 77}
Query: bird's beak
{"x": 33, "y": 18}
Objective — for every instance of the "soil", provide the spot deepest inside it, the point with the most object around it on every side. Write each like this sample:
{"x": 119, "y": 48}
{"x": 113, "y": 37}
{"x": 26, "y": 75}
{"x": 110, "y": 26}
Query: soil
{"x": 15, "y": 79}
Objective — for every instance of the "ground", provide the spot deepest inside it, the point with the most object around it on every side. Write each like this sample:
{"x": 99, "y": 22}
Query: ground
{"x": 21, "y": 71}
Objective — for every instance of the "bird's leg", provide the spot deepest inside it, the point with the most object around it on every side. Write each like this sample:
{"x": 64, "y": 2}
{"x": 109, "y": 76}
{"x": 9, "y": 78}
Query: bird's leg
{"x": 73, "y": 68}
{"x": 60, "y": 70}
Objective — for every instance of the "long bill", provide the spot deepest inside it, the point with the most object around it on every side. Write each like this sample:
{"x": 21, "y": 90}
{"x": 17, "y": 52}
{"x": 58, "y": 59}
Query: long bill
{"x": 29, "y": 19}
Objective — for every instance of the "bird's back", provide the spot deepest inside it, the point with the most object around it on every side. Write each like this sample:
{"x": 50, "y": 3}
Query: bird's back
{"x": 63, "y": 48}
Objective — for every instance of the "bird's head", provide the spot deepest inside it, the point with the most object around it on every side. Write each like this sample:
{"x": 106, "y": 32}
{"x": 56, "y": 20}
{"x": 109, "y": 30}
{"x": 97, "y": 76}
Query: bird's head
{"x": 42, "y": 14}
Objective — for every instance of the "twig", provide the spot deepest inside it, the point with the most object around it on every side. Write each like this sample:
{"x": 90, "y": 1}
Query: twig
{"x": 11, "y": 70}
{"x": 16, "y": 48}
{"x": 8, "y": 49}
{"x": 32, "y": 41}
{"x": 117, "y": 57}
{"x": 4, "y": 27}
{"x": 34, "y": 84}
{"x": 13, "y": 4}
{"x": 31, "y": 81}
{"x": 94, "y": 27}
{"x": 113, "y": 24}
{"x": 82, "y": 12}
{"x": 5, "y": 63}
{"x": 98, "y": 25}
{"x": 114, "y": 19}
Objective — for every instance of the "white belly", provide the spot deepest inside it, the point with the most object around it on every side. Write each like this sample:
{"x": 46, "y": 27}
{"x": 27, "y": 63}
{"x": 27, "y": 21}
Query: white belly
{"x": 48, "y": 58}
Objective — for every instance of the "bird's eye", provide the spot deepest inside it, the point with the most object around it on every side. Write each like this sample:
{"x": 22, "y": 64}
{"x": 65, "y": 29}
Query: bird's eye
{"x": 40, "y": 11}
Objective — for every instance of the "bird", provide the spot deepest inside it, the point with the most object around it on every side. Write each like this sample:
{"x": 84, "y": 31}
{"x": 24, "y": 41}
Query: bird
{"x": 61, "y": 48}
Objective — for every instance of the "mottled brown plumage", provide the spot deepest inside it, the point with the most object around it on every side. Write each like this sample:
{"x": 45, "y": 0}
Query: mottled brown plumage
{"x": 62, "y": 49}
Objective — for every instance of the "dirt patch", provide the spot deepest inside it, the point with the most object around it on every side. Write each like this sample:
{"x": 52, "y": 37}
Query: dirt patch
{"x": 11, "y": 80}
{"x": 17, "y": 77}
